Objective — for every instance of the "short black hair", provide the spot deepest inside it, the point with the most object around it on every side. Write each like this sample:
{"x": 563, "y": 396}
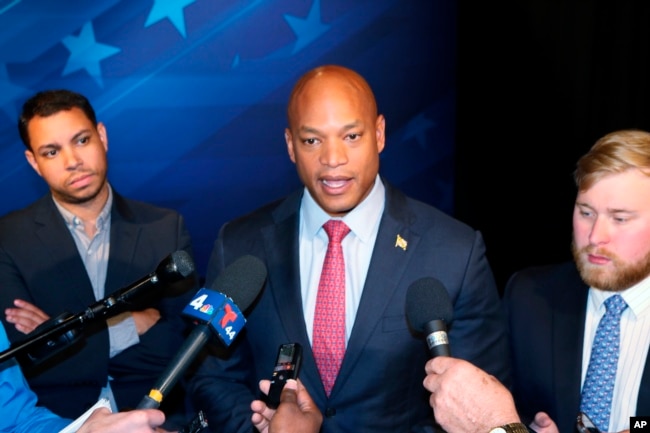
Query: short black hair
{"x": 49, "y": 102}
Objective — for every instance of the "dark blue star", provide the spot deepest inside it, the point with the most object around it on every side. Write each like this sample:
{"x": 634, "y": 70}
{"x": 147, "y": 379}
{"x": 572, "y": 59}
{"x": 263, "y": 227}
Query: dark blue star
{"x": 86, "y": 53}
{"x": 307, "y": 29}
{"x": 417, "y": 127}
{"x": 171, "y": 9}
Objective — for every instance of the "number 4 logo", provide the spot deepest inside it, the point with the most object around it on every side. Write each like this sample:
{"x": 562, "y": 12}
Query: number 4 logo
{"x": 197, "y": 303}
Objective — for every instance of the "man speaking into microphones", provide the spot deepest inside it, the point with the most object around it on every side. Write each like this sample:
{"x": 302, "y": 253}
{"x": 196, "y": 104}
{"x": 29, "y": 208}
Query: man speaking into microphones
{"x": 78, "y": 244}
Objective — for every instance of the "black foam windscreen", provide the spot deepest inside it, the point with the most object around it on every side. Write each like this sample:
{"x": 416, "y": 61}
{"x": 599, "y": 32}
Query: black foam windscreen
{"x": 176, "y": 266}
{"x": 427, "y": 300}
{"x": 242, "y": 280}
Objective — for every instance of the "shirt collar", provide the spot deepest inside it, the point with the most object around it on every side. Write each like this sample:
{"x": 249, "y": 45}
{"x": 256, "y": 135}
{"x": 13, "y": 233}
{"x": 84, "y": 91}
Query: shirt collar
{"x": 362, "y": 220}
{"x": 72, "y": 221}
{"x": 637, "y": 297}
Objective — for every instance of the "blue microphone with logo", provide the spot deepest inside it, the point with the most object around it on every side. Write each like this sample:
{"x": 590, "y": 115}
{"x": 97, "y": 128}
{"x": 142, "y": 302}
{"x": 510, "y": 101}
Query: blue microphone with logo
{"x": 215, "y": 311}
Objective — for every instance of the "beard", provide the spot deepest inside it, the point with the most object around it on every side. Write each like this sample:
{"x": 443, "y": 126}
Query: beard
{"x": 86, "y": 196}
{"x": 623, "y": 275}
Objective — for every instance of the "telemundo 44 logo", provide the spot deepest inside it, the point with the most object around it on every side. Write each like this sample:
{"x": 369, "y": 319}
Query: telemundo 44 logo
{"x": 218, "y": 311}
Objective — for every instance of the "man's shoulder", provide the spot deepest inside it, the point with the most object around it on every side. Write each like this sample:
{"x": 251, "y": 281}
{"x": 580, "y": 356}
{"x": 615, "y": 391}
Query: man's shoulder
{"x": 141, "y": 210}
{"x": 541, "y": 278}
{"x": 25, "y": 214}
{"x": 425, "y": 217}
{"x": 272, "y": 212}
{"x": 547, "y": 272}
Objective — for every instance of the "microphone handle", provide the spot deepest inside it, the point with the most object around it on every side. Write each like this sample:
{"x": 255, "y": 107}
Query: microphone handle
{"x": 177, "y": 367}
{"x": 38, "y": 338}
{"x": 437, "y": 339}
{"x": 119, "y": 299}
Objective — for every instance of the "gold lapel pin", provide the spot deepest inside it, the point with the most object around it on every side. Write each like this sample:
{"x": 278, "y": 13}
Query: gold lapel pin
{"x": 401, "y": 242}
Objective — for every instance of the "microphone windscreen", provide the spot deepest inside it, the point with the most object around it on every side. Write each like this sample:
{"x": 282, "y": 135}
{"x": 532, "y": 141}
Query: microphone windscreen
{"x": 427, "y": 300}
{"x": 176, "y": 266}
{"x": 183, "y": 262}
{"x": 242, "y": 280}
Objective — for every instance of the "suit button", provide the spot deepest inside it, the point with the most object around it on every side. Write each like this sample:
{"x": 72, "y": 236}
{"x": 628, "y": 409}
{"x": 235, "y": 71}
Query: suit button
{"x": 330, "y": 412}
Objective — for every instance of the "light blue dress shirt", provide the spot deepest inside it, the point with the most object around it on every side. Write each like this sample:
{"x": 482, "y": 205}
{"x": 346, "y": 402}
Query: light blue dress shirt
{"x": 358, "y": 245}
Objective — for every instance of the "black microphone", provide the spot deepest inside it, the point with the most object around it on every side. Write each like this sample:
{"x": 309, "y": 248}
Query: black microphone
{"x": 175, "y": 267}
{"x": 217, "y": 310}
{"x": 58, "y": 333}
{"x": 428, "y": 310}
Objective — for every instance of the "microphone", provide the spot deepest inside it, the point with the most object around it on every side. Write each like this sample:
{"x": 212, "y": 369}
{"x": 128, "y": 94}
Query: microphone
{"x": 428, "y": 310}
{"x": 58, "y": 333}
{"x": 217, "y": 310}
{"x": 175, "y": 267}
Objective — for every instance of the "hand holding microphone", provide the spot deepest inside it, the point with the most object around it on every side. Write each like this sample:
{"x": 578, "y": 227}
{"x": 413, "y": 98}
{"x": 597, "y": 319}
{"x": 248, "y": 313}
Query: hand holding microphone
{"x": 466, "y": 398}
{"x": 461, "y": 393}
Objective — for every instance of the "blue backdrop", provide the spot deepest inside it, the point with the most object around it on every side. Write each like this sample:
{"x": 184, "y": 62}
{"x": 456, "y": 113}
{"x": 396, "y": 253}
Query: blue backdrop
{"x": 193, "y": 92}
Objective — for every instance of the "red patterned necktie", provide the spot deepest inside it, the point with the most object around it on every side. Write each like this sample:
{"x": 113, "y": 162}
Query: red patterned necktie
{"x": 328, "y": 340}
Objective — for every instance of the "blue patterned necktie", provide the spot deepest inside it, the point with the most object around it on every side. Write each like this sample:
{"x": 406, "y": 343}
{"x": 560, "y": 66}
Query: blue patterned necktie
{"x": 599, "y": 383}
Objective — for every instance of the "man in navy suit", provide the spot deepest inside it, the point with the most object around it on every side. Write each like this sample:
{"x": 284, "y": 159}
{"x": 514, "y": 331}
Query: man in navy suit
{"x": 554, "y": 310}
{"x": 335, "y": 136}
{"x": 78, "y": 244}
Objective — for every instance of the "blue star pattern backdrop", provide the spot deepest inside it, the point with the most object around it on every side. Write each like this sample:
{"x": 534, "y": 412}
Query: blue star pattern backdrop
{"x": 193, "y": 92}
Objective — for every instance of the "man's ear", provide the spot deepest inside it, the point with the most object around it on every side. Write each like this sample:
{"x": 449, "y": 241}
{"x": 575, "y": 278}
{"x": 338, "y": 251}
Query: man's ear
{"x": 29, "y": 155}
{"x": 380, "y": 131}
{"x": 103, "y": 135}
{"x": 288, "y": 138}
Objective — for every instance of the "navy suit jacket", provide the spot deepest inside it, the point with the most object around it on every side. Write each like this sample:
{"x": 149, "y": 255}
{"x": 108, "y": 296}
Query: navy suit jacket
{"x": 379, "y": 387}
{"x": 546, "y": 309}
{"x": 40, "y": 263}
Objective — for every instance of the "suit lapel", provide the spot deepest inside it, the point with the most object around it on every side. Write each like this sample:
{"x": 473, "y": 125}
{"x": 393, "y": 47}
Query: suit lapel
{"x": 570, "y": 295}
{"x": 124, "y": 238}
{"x": 568, "y": 331}
{"x": 388, "y": 254}
{"x": 57, "y": 241}
{"x": 281, "y": 244}
{"x": 282, "y": 253}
